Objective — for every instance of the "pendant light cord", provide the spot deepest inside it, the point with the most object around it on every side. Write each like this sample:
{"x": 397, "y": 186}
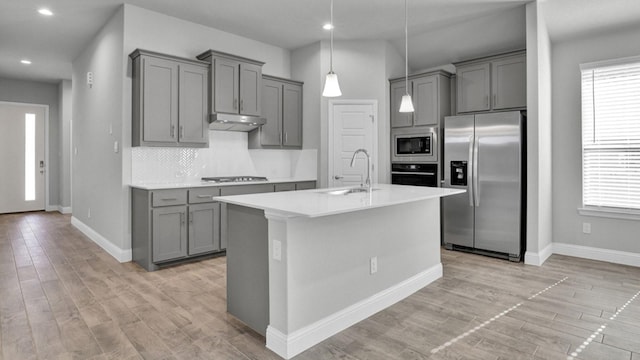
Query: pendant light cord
{"x": 406, "y": 49}
{"x": 331, "y": 57}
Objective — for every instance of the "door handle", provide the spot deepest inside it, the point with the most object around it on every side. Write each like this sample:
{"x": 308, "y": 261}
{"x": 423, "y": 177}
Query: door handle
{"x": 470, "y": 172}
{"x": 338, "y": 177}
{"x": 476, "y": 186}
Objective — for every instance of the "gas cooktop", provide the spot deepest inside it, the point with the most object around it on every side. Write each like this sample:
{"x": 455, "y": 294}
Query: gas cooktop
{"x": 221, "y": 179}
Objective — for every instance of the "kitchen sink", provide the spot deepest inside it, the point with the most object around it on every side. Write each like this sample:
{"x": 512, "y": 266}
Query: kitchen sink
{"x": 349, "y": 191}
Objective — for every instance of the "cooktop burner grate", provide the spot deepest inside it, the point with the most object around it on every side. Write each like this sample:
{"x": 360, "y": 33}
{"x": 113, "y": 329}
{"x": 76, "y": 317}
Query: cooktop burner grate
{"x": 222, "y": 179}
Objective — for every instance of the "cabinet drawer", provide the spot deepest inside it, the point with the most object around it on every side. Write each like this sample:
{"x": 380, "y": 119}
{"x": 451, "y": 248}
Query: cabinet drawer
{"x": 203, "y": 195}
{"x": 246, "y": 189}
{"x": 306, "y": 185}
{"x": 169, "y": 197}
{"x": 285, "y": 187}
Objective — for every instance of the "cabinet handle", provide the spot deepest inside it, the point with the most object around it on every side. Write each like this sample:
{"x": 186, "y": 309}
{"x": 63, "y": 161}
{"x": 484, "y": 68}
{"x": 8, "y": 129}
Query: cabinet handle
{"x": 182, "y": 218}
{"x": 191, "y": 217}
{"x": 204, "y": 196}
{"x": 280, "y": 138}
{"x": 168, "y": 199}
{"x": 235, "y": 104}
{"x": 181, "y": 131}
{"x": 173, "y": 131}
{"x": 486, "y": 100}
{"x": 495, "y": 100}
{"x": 286, "y": 137}
{"x": 241, "y": 104}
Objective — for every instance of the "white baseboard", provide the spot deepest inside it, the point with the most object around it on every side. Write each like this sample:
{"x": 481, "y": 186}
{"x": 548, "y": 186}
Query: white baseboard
{"x": 119, "y": 254}
{"x": 49, "y": 208}
{"x": 537, "y": 259}
{"x": 612, "y": 256}
{"x": 289, "y": 345}
{"x": 64, "y": 209}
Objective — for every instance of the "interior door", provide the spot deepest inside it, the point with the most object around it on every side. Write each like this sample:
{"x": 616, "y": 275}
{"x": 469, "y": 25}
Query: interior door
{"x": 353, "y": 129}
{"x": 497, "y": 214}
{"x": 22, "y": 157}
{"x": 458, "y": 210}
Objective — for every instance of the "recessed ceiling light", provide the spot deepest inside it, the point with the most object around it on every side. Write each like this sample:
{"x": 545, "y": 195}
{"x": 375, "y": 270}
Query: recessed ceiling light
{"x": 327, "y": 26}
{"x": 25, "y": 61}
{"x": 45, "y": 12}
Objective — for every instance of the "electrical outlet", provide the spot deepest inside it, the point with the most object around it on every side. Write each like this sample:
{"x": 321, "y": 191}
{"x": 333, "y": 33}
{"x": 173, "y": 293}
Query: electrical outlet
{"x": 89, "y": 213}
{"x": 373, "y": 265}
{"x": 586, "y": 228}
{"x": 277, "y": 250}
{"x": 116, "y": 146}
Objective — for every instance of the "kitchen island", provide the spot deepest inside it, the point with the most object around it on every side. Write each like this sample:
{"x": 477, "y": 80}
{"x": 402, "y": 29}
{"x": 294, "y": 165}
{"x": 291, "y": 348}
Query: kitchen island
{"x": 304, "y": 265}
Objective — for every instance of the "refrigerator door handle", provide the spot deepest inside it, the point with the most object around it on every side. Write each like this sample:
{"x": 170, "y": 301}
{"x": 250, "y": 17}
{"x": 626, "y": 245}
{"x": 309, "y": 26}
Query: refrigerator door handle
{"x": 476, "y": 185}
{"x": 470, "y": 172}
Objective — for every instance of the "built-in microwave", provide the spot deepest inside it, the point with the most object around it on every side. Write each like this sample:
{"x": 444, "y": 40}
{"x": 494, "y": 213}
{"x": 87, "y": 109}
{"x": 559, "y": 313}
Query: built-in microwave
{"x": 412, "y": 145}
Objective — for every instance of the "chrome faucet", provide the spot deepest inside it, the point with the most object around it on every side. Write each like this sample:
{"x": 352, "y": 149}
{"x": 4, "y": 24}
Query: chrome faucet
{"x": 353, "y": 162}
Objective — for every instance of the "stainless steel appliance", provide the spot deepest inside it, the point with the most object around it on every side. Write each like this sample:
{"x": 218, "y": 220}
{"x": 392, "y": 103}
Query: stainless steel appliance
{"x": 484, "y": 154}
{"x": 221, "y": 179}
{"x": 415, "y": 174}
{"x": 414, "y": 145}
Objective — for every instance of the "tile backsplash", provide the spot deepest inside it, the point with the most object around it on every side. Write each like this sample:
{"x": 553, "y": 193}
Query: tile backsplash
{"x": 227, "y": 155}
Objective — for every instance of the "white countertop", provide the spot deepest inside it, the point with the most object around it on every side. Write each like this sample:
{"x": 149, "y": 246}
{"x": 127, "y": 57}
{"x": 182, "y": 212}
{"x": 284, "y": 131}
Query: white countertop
{"x": 198, "y": 183}
{"x": 318, "y": 202}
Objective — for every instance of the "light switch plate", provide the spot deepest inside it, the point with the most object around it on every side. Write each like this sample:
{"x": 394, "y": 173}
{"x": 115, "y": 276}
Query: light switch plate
{"x": 277, "y": 250}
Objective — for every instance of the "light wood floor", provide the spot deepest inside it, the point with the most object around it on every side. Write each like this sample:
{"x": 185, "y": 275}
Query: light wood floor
{"x": 62, "y": 297}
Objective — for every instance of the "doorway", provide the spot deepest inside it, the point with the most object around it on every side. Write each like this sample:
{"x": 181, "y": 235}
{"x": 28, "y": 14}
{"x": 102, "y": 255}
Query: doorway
{"x": 352, "y": 126}
{"x": 22, "y": 157}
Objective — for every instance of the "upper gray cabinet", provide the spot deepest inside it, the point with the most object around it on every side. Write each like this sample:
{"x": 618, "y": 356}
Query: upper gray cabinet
{"x": 170, "y": 97}
{"x": 236, "y": 83}
{"x": 282, "y": 107}
{"x": 492, "y": 83}
{"x": 430, "y": 93}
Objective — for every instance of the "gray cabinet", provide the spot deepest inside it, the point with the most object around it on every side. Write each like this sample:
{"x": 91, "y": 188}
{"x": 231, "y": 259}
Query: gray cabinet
{"x": 236, "y": 83}
{"x": 282, "y": 107}
{"x": 492, "y": 83}
{"x": 430, "y": 93}
{"x": 204, "y": 228}
{"x": 169, "y": 233}
{"x": 170, "y": 97}
{"x": 305, "y": 185}
{"x": 284, "y": 187}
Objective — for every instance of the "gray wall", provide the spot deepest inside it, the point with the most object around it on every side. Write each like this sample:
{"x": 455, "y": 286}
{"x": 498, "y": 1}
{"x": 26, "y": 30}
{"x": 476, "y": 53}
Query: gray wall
{"x": 44, "y": 94}
{"x": 612, "y": 234}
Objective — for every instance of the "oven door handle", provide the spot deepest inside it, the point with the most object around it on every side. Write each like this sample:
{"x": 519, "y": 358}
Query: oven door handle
{"x": 412, "y": 173}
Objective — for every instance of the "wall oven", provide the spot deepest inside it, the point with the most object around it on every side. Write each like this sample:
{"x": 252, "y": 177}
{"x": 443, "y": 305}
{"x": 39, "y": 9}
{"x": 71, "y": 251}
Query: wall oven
{"x": 414, "y": 145}
{"x": 415, "y": 174}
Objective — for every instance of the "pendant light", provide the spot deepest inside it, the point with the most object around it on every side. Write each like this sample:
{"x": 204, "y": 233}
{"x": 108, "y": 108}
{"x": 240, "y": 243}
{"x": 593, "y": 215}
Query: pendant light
{"x": 406, "y": 106}
{"x": 331, "y": 86}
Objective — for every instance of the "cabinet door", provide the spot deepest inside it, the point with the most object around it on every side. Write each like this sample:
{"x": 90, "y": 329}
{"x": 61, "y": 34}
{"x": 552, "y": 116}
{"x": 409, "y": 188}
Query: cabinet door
{"x": 425, "y": 100}
{"x": 169, "y": 235}
{"x": 509, "y": 83}
{"x": 399, "y": 119}
{"x": 193, "y": 105}
{"x": 306, "y": 185}
{"x": 204, "y": 228}
{"x": 250, "y": 89}
{"x": 474, "y": 87}
{"x": 226, "y": 81}
{"x": 159, "y": 100}
{"x": 292, "y": 115}
{"x": 271, "y": 132}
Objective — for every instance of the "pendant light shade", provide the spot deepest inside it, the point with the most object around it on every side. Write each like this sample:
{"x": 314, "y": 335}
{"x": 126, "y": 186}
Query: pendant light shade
{"x": 331, "y": 85}
{"x": 406, "y": 106}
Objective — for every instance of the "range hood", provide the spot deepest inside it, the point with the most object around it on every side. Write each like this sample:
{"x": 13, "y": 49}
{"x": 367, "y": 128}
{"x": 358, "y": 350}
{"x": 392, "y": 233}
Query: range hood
{"x": 234, "y": 122}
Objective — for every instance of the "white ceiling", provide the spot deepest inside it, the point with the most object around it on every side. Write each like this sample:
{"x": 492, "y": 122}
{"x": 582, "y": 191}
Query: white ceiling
{"x": 439, "y": 30}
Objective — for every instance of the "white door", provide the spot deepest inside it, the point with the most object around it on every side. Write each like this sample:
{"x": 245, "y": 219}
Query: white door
{"x": 352, "y": 126}
{"x": 22, "y": 157}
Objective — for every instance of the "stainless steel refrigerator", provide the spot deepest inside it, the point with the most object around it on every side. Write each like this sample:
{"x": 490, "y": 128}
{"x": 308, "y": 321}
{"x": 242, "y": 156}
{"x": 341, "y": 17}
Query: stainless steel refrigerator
{"x": 485, "y": 154}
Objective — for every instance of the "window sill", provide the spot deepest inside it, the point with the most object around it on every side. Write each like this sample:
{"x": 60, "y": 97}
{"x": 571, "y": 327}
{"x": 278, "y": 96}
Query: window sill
{"x": 610, "y": 213}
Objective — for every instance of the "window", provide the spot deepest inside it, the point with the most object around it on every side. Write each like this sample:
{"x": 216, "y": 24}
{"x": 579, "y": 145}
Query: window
{"x": 611, "y": 135}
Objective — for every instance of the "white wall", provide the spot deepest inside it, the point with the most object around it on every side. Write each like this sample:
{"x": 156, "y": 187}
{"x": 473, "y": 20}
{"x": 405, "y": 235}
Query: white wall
{"x": 41, "y": 93}
{"x": 539, "y": 209}
{"x": 64, "y": 141}
{"x": 611, "y": 234}
{"x": 97, "y": 124}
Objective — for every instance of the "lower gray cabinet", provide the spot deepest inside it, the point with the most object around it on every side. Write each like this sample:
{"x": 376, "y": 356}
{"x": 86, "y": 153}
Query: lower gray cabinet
{"x": 204, "y": 228}
{"x": 169, "y": 233}
{"x": 305, "y": 185}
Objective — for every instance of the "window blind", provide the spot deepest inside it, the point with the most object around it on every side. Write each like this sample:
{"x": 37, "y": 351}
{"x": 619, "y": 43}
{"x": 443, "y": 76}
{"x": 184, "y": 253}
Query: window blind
{"x": 611, "y": 135}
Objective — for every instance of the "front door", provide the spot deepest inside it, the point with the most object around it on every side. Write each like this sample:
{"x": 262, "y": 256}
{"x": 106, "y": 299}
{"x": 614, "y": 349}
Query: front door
{"x": 22, "y": 187}
{"x": 352, "y": 127}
